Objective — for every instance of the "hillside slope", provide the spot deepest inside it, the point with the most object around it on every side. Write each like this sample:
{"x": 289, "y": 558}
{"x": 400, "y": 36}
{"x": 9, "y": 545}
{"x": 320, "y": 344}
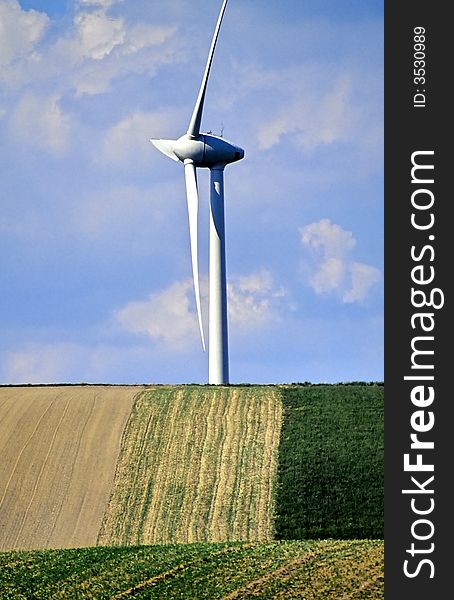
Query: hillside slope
{"x": 87, "y": 465}
{"x": 332, "y": 570}
{"x": 115, "y": 465}
{"x": 58, "y": 448}
{"x": 197, "y": 463}
{"x": 331, "y": 477}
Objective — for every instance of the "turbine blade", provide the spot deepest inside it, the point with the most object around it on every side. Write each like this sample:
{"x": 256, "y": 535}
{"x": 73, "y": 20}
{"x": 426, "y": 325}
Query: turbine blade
{"x": 194, "y": 125}
{"x": 166, "y": 147}
{"x": 193, "y": 209}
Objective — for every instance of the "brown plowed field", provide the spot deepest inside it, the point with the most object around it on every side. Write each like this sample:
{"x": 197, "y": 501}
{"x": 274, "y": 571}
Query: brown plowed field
{"x": 58, "y": 451}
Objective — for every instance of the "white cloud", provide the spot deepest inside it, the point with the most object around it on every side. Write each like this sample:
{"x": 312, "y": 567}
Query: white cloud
{"x": 332, "y": 270}
{"x": 98, "y": 34}
{"x": 328, "y": 238}
{"x": 329, "y": 276}
{"x": 127, "y": 141}
{"x": 169, "y": 315}
{"x": 141, "y": 49}
{"x": 314, "y": 119}
{"x": 41, "y": 121}
{"x": 166, "y": 316}
{"x": 19, "y": 31}
{"x": 362, "y": 278}
{"x": 256, "y": 282}
{"x": 98, "y": 3}
{"x": 84, "y": 59}
{"x": 142, "y": 35}
{"x": 311, "y": 106}
{"x": 41, "y": 363}
{"x": 252, "y": 300}
{"x": 66, "y": 362}
{"x": 104, "y": 47}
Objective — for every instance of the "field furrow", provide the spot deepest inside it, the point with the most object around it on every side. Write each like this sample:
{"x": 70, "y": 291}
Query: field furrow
{"x": 196, "y": 464}
{"x": 330, "y": 569}
{"x": 59, "y": 447}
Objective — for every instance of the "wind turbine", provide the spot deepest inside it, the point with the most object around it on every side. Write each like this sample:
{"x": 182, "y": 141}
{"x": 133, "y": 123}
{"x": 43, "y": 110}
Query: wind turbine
{"x": 195, "y": 149}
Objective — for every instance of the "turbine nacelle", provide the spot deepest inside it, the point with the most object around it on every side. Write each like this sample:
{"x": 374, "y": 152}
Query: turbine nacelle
{"x": 205, "y": 150}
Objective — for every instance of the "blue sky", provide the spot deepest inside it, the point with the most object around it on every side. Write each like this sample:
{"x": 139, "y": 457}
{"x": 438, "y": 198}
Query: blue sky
{"x": 94, "y": 243}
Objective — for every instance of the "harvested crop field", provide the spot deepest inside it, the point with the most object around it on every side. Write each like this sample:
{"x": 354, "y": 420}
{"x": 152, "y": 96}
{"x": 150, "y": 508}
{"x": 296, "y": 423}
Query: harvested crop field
{"x": 59, "y": 447}
{"x": 196, "y": 464}
{"x": 329, "y": 569}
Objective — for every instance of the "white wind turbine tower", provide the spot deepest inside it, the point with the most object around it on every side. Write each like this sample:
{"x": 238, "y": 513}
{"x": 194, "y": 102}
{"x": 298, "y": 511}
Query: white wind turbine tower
{"x": 196, "y": 149}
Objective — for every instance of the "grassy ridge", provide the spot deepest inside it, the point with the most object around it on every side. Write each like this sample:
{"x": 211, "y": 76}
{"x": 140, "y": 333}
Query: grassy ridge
{"x": 310, "y": 570}
{"x": 196, "y": 464}
{"x": 331, "y": 463}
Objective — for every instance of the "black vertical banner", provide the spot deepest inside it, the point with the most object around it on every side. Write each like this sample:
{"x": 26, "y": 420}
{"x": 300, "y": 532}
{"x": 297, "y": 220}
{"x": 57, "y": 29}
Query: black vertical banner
{"x": 419, "y": 360}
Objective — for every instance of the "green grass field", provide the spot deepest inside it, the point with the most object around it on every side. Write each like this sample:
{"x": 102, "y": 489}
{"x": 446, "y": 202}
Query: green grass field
{"x": 331, "y": 462}
{"x": 311, "y": 570}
